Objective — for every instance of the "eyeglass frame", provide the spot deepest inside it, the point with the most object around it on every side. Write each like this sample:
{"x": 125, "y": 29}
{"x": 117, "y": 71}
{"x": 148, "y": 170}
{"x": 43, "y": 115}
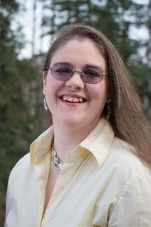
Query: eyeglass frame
{"x": 75, "y": 71}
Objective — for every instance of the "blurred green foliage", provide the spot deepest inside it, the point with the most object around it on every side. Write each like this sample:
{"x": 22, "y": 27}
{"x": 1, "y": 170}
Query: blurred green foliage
{"x": 16, "y": 122}
{"x": 115, "y": 19}
{"x": 20, "y": 88}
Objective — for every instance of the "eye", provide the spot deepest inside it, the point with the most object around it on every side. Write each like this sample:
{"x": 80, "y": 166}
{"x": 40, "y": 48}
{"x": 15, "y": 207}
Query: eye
{"x": 62, "y": 70}
{"x": 91, "y": 73}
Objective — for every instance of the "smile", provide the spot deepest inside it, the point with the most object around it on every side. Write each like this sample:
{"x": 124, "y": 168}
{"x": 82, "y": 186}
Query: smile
{"x": 73, "y": 99}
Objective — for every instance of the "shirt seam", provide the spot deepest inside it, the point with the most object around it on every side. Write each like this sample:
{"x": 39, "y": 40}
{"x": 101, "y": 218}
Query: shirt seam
{"x": 126, "y": 185}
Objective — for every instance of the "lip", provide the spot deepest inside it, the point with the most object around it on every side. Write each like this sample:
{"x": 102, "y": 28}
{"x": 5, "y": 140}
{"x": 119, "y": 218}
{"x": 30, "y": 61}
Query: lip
{"x": 73, "y": 96}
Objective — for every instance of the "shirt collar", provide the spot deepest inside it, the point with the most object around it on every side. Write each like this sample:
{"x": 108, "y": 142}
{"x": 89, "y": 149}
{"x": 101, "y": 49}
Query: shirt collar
{"x": 41, "y": 145}
{"x": 99, "y": 141}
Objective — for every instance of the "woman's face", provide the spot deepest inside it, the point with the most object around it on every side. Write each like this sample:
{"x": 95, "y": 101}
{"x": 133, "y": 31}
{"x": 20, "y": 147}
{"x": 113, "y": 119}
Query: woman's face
{"x": 74, "y": 102}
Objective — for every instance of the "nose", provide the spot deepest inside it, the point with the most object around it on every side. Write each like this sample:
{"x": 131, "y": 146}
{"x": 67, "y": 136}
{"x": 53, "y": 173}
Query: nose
{"x": 75, "y": 82}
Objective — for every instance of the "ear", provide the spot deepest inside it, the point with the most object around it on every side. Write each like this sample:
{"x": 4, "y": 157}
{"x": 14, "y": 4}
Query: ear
{"x": 108, "y": 99}
{"x": 44, "y": 81}
{"x": 109, "y": 95}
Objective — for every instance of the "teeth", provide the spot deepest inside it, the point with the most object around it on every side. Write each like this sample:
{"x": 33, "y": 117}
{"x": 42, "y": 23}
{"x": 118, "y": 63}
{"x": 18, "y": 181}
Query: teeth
{"x": 72, "y": 99}
{"x": 64, "y": 98}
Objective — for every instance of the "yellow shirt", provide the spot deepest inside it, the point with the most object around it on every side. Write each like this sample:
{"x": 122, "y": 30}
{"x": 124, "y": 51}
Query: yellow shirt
{"x": 102, "y": 183}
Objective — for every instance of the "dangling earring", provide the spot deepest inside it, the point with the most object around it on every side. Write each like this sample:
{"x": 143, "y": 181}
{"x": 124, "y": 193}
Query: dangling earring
{"x": 45, "y": 103}
{"x": 108, "y": 110}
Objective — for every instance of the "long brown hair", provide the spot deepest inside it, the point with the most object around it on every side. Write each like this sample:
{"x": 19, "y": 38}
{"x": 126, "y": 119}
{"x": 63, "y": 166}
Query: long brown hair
{"x": 127, "y": 117}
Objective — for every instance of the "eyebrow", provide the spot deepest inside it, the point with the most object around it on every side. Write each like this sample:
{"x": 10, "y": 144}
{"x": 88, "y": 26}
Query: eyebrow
{"x": 92, "y": 66}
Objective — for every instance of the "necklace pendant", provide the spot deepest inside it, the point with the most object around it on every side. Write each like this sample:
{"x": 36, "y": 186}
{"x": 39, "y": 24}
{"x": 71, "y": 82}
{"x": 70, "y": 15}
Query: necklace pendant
{"x": 58, "y": 163}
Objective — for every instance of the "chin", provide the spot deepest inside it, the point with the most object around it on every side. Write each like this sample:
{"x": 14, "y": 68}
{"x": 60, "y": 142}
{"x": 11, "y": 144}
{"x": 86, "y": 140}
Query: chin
{"x": 72, "y": 121}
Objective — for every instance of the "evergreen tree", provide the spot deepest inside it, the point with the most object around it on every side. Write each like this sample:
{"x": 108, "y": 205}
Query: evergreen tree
{"x": 115, "y": 18}
{"x": 16, "y": 122}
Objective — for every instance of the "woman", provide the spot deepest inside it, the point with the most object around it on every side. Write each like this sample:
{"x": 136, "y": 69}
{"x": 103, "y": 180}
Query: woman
{"x": 93, "y": 166}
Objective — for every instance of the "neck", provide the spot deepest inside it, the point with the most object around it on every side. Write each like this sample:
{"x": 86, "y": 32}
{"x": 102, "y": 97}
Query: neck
{"x": 67, "y": 138}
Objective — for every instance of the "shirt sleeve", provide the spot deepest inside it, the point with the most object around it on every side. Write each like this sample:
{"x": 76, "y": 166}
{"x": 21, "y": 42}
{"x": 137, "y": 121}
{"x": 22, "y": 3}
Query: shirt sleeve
{"x": 133, "y": 208}
{"x": 8, "y": 201}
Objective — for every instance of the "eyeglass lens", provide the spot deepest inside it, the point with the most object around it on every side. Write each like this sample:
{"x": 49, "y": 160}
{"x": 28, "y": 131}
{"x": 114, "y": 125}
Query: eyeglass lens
{"x": 64, "y": 73}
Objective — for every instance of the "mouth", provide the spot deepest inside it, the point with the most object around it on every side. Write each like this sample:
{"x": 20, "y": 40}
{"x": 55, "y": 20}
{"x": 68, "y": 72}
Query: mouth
{"x": 72, "y": 99}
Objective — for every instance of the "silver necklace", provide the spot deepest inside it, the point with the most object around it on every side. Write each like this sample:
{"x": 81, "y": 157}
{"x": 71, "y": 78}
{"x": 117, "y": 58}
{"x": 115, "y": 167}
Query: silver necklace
{"x": 57, "y": 162}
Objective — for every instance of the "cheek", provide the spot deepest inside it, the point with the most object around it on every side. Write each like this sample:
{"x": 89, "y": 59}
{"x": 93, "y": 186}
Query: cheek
{"x": 100, "y": 93}
{"x": 50, "y": 84}
{"x": 53, "y": 87}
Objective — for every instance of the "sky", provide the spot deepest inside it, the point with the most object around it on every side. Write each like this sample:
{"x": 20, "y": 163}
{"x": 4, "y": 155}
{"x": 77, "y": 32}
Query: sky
{"x": 25, "y": 18}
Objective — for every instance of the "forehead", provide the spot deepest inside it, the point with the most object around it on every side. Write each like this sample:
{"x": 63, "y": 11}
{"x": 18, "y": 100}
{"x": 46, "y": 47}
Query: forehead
{"x": 79, "y": 52}
{"x": 77, "y": 39}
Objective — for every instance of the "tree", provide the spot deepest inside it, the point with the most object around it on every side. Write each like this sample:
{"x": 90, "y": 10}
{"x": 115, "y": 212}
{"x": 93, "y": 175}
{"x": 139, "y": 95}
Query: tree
{"x": 115, "y": 18}
{"x": 149, "y": 60}
{"x": 141, "y": 66}
{"x": 16, "y": 120}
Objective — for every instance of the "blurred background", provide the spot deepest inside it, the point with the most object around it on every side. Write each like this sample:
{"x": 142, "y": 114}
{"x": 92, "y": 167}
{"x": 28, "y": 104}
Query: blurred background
{"x": 25, "y": 31}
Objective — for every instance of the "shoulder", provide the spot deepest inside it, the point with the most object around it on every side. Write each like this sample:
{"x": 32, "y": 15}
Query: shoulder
{"x": 124, "y": 166}
{"x": 133, "y": 179}
{"x": 23, "y": 162}
{"x": 21, "y": 167}
{"x": 124, "y": 154}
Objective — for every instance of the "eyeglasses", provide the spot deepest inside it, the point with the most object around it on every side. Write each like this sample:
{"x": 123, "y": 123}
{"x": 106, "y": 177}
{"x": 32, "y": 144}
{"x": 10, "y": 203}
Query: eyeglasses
{"x": 64, "y": 73}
